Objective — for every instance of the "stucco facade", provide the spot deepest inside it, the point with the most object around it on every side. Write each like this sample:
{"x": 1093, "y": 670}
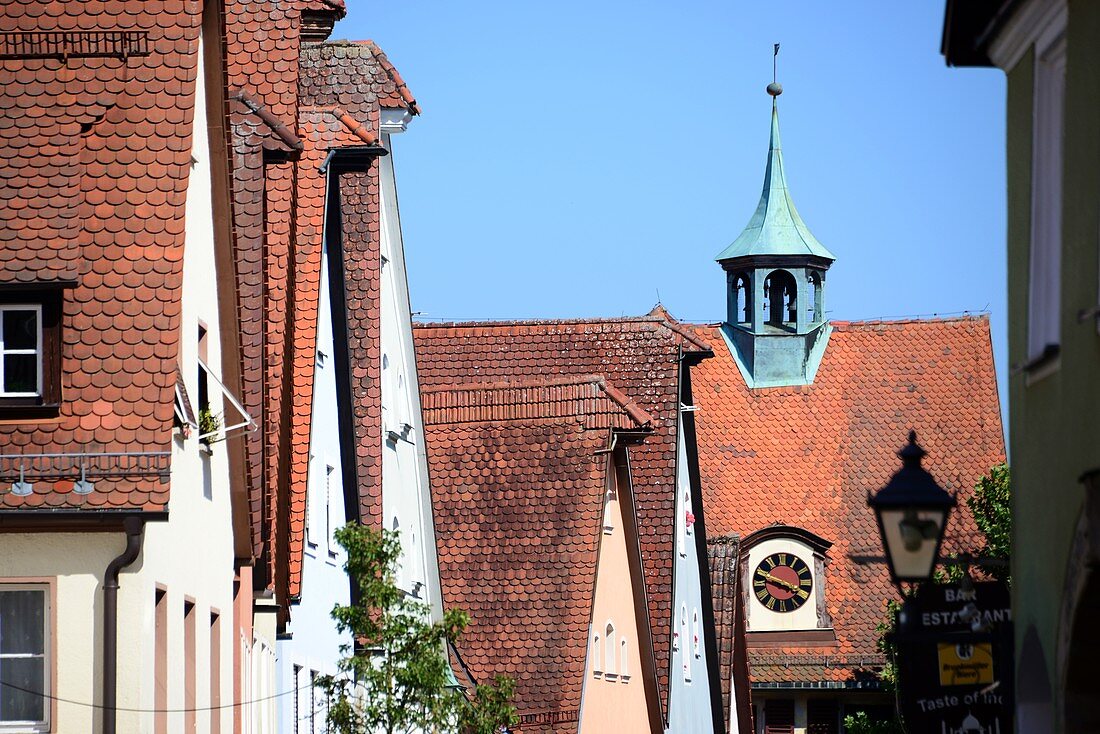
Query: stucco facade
{"x": 1048, "y": 51}
{"x": 693, "y": 681}
{"x": 619, "y": 685}
{"x": 176, "y": 618}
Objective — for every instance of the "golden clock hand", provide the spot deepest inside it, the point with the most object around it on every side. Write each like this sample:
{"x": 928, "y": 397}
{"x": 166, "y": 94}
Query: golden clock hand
{"x": 778, "y": 581}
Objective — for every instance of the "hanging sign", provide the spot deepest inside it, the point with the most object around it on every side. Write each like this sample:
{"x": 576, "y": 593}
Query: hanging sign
{"x": 954, "y": 656}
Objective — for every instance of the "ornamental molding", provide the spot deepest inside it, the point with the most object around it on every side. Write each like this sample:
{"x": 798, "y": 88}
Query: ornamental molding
{"x": 1037, "y": 22}
{"x": 395, "y": 120}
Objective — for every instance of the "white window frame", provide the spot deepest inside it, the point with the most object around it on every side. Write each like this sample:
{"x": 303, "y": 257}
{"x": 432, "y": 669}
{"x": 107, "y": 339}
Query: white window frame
{"x": 685, "y": 655}
{"x": 47, "y": 657}
{"x": 597, "y": 667}
{"x": 696, "y": 634}
{"x": 311, "y": 501}
{"x": 608, "y": 515}
{"x": 1045, "y": 251}
{"x": 610, "y": 670}
{"x": 624, "y": 660}
{"x": 330, "y": 527}
{"x": 37, "y": 351}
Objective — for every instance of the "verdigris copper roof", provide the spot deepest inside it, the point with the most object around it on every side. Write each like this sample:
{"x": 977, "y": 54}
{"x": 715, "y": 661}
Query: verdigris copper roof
{"x": 775, "y": 228}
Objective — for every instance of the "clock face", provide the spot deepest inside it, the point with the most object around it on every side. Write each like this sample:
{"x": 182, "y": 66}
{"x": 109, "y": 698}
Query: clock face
{"x": 782, "y": 582}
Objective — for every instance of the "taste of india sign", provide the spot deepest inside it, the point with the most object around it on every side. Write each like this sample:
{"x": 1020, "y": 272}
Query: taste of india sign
{"x": 955, "y": 659}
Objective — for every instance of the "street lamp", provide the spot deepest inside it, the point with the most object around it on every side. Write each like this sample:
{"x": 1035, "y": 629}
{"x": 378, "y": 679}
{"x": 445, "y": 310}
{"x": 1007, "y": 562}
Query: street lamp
{"x": 912, "y": 512}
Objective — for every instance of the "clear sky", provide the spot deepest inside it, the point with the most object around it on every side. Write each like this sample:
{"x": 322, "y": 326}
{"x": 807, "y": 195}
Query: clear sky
{"x": 573, "y": 159}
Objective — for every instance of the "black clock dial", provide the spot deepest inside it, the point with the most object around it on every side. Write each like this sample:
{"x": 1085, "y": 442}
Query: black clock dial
{"x": 782, "y": 582}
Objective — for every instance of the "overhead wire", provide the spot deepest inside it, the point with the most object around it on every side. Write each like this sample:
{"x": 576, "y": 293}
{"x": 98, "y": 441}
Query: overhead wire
{"x": 127, "y": 709}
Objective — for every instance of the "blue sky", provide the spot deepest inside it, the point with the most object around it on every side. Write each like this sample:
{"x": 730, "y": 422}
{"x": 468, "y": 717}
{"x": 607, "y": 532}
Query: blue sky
{"x": 574, "y": 159}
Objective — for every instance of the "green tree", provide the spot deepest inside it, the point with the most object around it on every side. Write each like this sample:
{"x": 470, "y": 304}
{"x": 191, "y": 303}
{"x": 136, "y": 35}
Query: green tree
{"x": 396, "y": 678}
{"x": 861, "y": 723}
{"x": 991, "y": 506}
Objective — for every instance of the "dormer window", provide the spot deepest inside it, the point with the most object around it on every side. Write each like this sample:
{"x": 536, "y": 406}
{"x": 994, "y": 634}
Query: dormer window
{"x": 21, "y": 350}
{"x": 30, "y": 350}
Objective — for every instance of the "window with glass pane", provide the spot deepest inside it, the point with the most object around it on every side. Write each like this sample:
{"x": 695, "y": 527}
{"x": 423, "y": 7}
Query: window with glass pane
{"x": 20, "y": 350}
{"x": 23, "y": 671}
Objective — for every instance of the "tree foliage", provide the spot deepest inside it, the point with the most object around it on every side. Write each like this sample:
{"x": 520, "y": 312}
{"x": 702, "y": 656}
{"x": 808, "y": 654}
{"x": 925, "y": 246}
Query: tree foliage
{"x": 862, "y": 723}
{"x": 991, "y": 506}
{"x": 396, "y": 678}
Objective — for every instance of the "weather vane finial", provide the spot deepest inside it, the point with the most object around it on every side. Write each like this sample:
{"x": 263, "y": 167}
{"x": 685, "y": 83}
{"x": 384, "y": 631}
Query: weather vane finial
{"x": 775, "y": 88}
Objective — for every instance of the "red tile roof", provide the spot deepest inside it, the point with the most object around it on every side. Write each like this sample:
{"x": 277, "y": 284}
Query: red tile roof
{"x": 807, "y": 456}
{"x": 518, "y": 481}
{"x": 639, "y": 355}
{"x": 339, "y": 107}
{"x": 294, "y": 103}
{"x": 94, "y": 160}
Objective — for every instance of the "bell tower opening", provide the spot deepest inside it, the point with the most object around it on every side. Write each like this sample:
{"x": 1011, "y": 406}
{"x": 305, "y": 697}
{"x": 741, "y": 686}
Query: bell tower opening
{"x": 781, "y": 297}
{"x": 815, "y": 300}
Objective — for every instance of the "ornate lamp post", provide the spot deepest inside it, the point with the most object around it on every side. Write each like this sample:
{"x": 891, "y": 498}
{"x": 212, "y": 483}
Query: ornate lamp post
{"x": 912, "y": 511}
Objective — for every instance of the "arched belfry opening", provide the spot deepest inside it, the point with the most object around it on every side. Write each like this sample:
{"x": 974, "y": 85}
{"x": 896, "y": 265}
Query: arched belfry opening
{"x": 781, "y": 295}
{"x": 775, "y": 281}
{"x": 743, "y": 298}
{"x": 815, "y": 298}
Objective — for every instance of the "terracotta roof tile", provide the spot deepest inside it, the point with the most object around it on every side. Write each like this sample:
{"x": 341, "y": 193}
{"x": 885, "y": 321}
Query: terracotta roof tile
{"x": 640, "y": 356}
{"x": 807, "y": 456}
{"x": 340, "y": 97}
{"x": 518, "y": 480}
{"x": 94, "y": 161}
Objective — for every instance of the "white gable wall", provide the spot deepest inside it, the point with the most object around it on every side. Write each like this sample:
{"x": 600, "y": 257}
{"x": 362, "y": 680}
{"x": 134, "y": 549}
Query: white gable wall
{"x": 312, "y": 646}
{"x": 406, "y": 503}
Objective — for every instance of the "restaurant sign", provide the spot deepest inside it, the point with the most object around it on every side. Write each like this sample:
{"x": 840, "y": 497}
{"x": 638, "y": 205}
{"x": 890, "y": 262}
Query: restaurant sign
{"x": 954, "y": 648}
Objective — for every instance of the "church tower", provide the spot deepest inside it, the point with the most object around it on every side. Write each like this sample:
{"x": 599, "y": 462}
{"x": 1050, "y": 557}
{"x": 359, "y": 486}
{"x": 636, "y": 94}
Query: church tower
{"x": 775, "y": 280}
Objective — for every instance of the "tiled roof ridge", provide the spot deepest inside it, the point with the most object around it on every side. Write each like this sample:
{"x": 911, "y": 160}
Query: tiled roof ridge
{"x": 660, "y": 312}
{"x": 387, "y": 66}
{"x": 527, "y": 399}
{"x": 489, "y": 323}
{"x": 851, "y": 324}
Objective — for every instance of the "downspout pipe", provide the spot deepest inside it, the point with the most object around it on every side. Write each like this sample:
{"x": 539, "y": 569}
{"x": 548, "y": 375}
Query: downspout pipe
{"x": 133, "y": 527}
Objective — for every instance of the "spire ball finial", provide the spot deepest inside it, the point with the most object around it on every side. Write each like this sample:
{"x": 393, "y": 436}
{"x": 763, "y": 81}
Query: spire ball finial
{"x": 775, "y": 89}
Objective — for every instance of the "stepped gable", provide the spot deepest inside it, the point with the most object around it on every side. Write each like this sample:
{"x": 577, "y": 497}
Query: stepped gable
{"x": 807, "y": 456}
{"x": 95, "y": 146}
{"x": 518, "y": 485}
{"x": 640, "y": 356}
{"x": 339, "y": 101}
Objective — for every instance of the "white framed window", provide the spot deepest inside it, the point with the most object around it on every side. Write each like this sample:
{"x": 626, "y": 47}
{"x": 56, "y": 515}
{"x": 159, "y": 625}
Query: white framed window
{"x": 610, "y": 650}
{"x": 609, "y": 512}
{"x": 689, "y": 516}
{"x": 684, "y": 656}
{"x": 25, "y": 664}
{"x": 21, "y": 350}
{"x": 331, "y": 522}
{"x": 311, "y": 501}
{"x": 696, "y": 630}
{"x": 681, "y": 528}
{"x": 1045, "y": 256}
{"x": 597, "y": 665}
{"x": 624, "y": 661}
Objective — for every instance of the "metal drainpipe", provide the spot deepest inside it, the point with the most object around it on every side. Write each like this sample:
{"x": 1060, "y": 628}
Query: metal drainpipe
{"x": 133, "y": 527}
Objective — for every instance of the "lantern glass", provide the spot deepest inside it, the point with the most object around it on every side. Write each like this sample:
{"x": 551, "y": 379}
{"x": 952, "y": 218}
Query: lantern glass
{"x": 912, "y": 540}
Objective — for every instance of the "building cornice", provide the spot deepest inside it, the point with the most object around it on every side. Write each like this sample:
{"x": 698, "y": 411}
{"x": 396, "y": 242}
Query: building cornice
{"x": 1036, "y": 21}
